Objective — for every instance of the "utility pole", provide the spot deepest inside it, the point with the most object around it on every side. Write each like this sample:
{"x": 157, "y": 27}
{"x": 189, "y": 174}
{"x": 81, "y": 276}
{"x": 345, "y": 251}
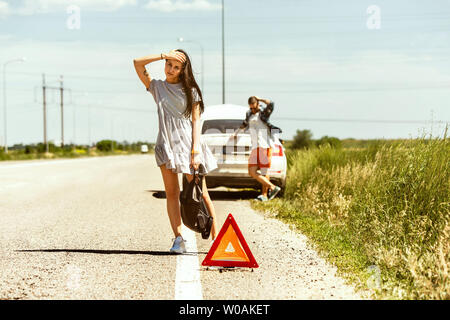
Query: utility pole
{"x": 89, "y": 125}
{"x": 45, "y": 112}
{"x": 223, "y": 53}
{"x": 112, "y": 132}
{"x": 61, "y": 89}
{"x": 74, "y": 127}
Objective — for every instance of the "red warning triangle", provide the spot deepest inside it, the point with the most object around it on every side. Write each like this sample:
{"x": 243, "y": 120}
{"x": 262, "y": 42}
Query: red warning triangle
{"x": 230, "y": 248}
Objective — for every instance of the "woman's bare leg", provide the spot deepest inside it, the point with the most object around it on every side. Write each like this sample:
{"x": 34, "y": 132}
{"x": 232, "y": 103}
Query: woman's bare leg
{"x": 172, "y": 189}
{"x": 261, "y": 179}
{"x": 209, "y": 204}
{"x": 265, "y": 189}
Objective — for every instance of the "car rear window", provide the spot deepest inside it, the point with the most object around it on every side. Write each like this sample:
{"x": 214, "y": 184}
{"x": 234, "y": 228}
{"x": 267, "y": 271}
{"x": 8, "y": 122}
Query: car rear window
{"x": 221, "y": 126}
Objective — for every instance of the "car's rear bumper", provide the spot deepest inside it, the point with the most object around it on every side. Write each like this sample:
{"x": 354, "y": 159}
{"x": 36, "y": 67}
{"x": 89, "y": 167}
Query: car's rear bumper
{"x": 240, "y": 180}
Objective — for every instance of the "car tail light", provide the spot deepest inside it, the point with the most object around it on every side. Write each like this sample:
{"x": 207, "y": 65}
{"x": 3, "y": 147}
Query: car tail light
{"x": 277, "y": 151}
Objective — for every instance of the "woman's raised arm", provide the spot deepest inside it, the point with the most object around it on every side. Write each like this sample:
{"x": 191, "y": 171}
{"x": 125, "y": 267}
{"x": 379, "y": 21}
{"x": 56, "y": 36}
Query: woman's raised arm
{"x": 140, "y": 63}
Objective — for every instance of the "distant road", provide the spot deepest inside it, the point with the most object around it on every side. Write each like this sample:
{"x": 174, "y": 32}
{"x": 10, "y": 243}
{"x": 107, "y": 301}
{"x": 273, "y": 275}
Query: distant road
{"x": 97, "y": 228}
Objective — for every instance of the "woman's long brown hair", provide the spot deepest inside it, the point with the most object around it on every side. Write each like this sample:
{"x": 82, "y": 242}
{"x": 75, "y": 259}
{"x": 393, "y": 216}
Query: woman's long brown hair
{"x": 188, "y": 82}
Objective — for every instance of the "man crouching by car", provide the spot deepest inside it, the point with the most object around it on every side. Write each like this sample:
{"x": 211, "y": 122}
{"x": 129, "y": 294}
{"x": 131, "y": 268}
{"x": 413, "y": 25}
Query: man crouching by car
{"x": 261, "y": 132}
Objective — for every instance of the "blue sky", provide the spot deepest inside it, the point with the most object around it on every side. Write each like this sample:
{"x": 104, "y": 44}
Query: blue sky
{"x": 324, "y": 63}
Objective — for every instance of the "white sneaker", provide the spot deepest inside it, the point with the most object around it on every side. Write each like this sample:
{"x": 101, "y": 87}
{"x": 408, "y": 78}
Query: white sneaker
{"x": 261, "y": 198}
{"x": 178, "y": 245}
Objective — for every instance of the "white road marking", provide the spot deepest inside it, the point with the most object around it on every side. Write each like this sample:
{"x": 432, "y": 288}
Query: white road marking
{"x": 187, "y": 282}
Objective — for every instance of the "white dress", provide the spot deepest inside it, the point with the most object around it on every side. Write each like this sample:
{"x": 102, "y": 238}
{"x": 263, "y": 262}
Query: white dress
{"x": 174, "y": 142}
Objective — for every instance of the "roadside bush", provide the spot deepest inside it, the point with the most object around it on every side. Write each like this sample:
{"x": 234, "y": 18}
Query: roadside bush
{"x": 302, "y": 139}
{"x": 28, "y": 149}
{"x": 40, "y": 148}
{"x": 332, "y": 141}
{"x": 36, "y": 151}
{"x": 105, "y": 145}
{"x": 68, "y": 148}
{"x": 52, "y": 148}
{"x": 80, "y": 151}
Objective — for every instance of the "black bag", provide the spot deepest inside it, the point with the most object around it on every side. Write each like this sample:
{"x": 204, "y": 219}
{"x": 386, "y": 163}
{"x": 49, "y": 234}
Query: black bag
{"x": 194, "y": 213}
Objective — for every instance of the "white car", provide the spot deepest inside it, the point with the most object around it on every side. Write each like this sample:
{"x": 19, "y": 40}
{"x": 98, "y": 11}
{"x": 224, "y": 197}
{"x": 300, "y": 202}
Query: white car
{"x": 218, "y": 124}
{"x": 144, "y": 148}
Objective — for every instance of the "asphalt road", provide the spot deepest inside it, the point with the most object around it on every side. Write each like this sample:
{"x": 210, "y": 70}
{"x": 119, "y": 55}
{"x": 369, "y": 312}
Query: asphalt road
{"x": 97, "y": 228}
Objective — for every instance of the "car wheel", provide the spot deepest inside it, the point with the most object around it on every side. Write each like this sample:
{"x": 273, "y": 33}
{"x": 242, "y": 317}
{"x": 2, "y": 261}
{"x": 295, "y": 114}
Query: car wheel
{"x": 281, "y": 193}
{"x": 210, "y": 183}
{"x": 283, "y": 188}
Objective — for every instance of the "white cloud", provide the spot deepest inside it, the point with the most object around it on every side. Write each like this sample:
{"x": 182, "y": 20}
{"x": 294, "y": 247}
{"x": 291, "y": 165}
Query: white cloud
{"x": 181, "y": 5}
{"x": 4, "y": 8}
{"x": 30, "y": 7}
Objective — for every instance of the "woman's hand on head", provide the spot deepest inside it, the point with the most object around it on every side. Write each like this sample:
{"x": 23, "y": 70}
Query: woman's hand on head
{"x": 175, "y": 55}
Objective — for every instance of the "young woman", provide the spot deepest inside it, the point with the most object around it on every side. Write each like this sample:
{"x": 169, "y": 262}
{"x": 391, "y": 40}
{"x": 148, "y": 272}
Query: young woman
{"x": 179, "y": 147}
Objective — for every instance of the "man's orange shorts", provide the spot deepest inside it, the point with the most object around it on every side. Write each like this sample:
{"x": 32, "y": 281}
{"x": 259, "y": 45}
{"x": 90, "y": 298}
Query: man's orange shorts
{"x": 260, "y": 157}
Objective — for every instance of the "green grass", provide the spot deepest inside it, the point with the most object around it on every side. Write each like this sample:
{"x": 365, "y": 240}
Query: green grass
{"x": 384, "y": 206}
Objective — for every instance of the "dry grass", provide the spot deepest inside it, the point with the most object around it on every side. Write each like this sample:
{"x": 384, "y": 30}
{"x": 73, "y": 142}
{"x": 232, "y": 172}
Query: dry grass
{"x": 388, "y": 201}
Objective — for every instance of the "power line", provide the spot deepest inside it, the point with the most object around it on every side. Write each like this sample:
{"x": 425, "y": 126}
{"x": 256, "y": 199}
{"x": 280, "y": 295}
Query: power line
{"x": 446, "y": 87}
{"x": 274, "y": 18}
{"x": 290, "y": 118}
{"x": 77, "y": 76}
{"x": 302, "y": 87}
{"x": 114, "y": 108}
{"x": 416, "y": 85}
{"x": 25, "y": 107}
{"x": 360, "y": 120}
